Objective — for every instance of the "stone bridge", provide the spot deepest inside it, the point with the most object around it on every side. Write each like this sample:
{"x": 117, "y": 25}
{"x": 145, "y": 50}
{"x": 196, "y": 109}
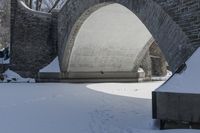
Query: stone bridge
{"x": 37, "y": 38}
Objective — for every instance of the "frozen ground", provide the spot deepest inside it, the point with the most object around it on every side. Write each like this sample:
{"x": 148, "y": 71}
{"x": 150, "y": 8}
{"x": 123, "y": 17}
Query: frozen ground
{"x": 78, "y": 108}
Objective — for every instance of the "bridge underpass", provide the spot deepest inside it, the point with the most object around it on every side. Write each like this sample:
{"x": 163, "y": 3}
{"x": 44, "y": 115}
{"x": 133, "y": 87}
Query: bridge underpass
{"x": 176, "y": 40}
{"x": 109, "y": 41}
{"x": 111, "y": 45}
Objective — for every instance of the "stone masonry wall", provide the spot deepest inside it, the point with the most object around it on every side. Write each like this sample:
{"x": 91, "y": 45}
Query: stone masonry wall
{"x": 33, "y": 41}
{"x": 186, "y": 13}
{"x": 158, "y": 61}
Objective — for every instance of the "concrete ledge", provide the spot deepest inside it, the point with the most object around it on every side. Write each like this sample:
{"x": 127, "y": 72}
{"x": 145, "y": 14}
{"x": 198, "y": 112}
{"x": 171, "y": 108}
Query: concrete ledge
{"x": 85, "y": 80}
{"x": 83, "y": 77}
{"x": 86, "y": 75}
{"x": 91, "y": 77}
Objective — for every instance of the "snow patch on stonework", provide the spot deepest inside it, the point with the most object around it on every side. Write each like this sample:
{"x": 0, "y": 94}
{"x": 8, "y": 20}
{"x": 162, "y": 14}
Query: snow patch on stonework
{"x": 10, "y": 76}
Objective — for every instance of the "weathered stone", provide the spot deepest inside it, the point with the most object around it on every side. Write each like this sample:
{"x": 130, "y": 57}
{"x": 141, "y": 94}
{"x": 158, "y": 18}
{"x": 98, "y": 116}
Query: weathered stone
{"x": 174, "y": 24}
{"x": 158, "y": 61}
{"x": 33, "y": 39}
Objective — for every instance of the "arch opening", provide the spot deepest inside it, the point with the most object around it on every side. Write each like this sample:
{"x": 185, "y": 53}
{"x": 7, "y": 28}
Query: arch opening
{"x": 110, "y": 41}
{"x": 170, "y": 38}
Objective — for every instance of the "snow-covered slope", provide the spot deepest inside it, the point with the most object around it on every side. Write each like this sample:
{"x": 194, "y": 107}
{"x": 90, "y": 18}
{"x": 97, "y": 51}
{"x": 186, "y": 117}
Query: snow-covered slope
{"x": 188, "y": 81}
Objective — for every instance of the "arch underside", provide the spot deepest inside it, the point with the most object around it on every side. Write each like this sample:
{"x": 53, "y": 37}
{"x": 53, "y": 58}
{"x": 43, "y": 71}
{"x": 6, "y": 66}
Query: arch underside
{"x": 172, "y": 40}
{"x": 109, "y": 41}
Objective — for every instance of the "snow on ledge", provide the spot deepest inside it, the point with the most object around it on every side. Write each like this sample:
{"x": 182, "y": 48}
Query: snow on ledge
{"x": 187, "y": 81}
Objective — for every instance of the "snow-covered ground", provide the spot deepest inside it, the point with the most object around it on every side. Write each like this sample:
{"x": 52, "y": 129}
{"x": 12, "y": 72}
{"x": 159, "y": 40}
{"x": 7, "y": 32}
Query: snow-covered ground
{"x": 78, "y": 108}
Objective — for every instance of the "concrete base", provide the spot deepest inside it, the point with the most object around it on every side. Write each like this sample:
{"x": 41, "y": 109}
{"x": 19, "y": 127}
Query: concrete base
{"x": 84, "y": 80}
{"x": 92, "y": 77}
{"x": 179, "y": 98}
{"x": 174, "y": 106}
{"x": 86, "y": 77}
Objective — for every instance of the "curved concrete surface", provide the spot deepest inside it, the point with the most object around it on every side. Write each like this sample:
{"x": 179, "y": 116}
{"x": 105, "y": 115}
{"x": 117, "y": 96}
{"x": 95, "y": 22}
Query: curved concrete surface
{"x": 109, "y": 41}
{"x": 161, "y": 22}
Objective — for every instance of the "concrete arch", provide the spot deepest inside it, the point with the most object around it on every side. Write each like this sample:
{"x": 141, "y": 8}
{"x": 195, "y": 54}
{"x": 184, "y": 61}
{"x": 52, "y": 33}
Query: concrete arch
{"x": 170, "y": 36}
{"x": 117, "y": 37}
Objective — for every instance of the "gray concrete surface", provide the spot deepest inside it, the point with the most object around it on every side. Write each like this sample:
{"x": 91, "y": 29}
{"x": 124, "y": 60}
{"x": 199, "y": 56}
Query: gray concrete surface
{"x": 109, "y": 41}
{"x": 176, "y": 106}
